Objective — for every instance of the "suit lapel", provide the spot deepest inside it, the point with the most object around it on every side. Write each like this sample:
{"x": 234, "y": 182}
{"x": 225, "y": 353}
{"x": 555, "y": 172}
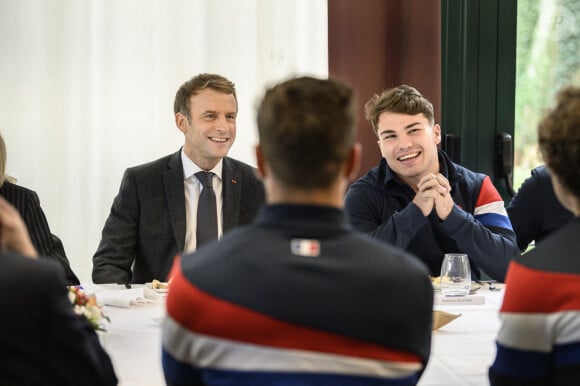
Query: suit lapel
{"x": 232, "y": 183}
{"x": 175, "y": 196}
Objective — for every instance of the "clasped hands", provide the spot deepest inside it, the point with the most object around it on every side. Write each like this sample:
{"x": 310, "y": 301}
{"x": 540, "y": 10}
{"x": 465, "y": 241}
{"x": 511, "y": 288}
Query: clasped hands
{"x": 434, "y": 192}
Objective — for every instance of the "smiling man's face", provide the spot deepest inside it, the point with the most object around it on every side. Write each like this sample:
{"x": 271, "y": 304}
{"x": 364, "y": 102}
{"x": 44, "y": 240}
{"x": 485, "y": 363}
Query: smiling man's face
{"x": 409, "y": 145}
{"x": 211, "y": 130}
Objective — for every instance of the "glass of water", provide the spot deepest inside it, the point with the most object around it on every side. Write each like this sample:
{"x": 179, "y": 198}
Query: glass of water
{"x": 455, "y": 275}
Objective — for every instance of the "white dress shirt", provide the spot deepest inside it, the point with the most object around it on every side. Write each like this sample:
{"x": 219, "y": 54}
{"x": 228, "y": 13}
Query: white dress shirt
{"x": 192, "y": 188}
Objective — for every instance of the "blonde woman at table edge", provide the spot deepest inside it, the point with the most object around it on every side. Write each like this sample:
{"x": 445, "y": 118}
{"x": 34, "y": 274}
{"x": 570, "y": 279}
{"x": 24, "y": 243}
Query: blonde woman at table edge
{"x": 538, "y": 342}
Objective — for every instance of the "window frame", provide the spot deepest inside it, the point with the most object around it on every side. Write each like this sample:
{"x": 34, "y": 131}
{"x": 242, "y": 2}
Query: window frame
{"x": 478, "y": 53}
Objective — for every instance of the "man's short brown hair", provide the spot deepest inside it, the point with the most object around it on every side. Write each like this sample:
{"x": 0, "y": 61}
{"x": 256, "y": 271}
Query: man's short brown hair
{"x": 400, "y": 100}
{"x": 306, "y": 128}
{"x": 195, "y": 85}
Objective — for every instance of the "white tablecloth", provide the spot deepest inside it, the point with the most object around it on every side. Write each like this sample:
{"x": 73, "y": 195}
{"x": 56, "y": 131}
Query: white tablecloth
{"x": 133, "y": 341}
{"x": 461, "y": 351}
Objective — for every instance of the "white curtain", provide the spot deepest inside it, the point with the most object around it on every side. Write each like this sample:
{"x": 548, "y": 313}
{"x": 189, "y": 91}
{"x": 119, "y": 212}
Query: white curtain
{"x": 87, "y": 88}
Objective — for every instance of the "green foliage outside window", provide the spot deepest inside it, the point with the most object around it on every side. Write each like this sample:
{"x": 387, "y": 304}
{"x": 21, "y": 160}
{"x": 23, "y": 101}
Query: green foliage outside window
{"x": 548, "y": 58}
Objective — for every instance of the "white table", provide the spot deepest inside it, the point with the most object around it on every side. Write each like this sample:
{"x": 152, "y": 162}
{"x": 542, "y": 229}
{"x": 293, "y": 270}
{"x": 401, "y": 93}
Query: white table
{"x": 461, "y": 351}
{"x": 133, "y": 341}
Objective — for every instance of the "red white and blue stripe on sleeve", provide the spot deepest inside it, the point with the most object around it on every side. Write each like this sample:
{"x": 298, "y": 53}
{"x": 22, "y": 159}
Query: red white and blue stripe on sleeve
{"x": 214, "y": 342}
{"x": 489, "y": 208}
{"x": 539, "y": 339}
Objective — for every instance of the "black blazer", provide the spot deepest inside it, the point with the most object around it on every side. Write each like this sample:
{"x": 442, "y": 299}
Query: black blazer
{"x": 146, "y": 226}
{"x": 48, "y": 245}
{"x": 43, "y": 342}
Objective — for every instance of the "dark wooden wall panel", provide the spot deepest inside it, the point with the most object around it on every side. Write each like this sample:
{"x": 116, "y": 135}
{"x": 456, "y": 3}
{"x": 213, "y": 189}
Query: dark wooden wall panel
{"x": 378, "y": 44}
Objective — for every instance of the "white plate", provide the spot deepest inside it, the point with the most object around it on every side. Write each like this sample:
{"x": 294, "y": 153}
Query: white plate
{"x": 158, "y": 290}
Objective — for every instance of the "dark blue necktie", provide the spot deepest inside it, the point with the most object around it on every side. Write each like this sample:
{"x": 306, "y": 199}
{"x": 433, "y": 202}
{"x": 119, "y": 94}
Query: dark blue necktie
{"x": 207, "y": 227}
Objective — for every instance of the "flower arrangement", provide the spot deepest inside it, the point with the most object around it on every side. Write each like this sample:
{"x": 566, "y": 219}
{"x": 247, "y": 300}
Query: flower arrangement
{"x": 86, "y": 305}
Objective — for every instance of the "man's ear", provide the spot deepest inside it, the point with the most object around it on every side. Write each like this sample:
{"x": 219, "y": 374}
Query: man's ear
{"x": 260, "y": 161}
{"x": 353, "y": 162}
{"x": 182, "y": 122}
{"x": 437, "y": 133}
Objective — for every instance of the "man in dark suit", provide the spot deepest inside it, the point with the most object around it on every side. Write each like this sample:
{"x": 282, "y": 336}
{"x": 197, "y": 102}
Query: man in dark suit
{"x": 43, "y": 342}
{"x": 155, "y": 216}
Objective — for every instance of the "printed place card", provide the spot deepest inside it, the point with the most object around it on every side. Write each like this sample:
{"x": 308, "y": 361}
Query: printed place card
{"x": 440, "y": 300}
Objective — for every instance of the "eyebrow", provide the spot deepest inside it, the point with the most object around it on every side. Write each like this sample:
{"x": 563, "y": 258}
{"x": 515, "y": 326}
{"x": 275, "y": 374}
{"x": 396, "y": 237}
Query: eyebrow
{"x": 216, "y": 112}
{"x": 410, "y": 125}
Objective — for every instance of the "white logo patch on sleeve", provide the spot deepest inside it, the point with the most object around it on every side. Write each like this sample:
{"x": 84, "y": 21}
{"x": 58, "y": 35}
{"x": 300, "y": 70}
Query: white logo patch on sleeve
{"x": 305, "y": 247}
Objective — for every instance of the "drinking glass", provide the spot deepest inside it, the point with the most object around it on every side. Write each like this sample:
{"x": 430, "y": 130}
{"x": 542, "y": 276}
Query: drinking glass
{"x": 455, "y": 275}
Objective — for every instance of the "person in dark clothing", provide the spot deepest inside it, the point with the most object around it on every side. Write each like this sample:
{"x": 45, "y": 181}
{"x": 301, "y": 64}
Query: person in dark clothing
{"x": 43, "y": 341}
{"x": 418, "y": 200}
{"x": 154, "y": 215}
{"x": 534, "y": 211}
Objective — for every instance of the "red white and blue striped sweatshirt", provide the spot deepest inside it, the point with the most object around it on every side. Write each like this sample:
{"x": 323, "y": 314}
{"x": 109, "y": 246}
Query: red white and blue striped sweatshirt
{"x": 539, "y": 339}
{"x": 297, "y": 299}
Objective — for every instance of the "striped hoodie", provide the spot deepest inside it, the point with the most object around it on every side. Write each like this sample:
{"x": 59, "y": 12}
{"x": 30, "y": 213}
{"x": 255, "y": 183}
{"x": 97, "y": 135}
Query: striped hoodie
{"x": 539, "y": 339}
{"x": 297, "y": 299}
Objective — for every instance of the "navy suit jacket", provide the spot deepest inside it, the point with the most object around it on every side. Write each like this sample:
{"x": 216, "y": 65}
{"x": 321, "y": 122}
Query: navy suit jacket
{"x": 146, "y": 227}
{"x": 43, "y": 342}
{"x": 48, "y": 245}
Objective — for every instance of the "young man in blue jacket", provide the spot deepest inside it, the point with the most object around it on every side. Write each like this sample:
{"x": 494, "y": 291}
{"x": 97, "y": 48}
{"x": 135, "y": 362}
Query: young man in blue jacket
{"x": 419, "y": 200}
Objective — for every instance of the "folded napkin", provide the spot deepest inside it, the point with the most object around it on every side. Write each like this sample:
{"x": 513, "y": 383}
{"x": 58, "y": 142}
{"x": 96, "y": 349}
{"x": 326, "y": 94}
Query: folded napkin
{"x": 127, "y": 298}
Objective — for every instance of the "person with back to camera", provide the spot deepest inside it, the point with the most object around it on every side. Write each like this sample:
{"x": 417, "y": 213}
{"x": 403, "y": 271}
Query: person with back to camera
{"x": 27, "y": 203}
{"x": 538, "y": 342}
{"x": 298, "y": 297}
{"x": 421, "y": 201}
{"x": 534, "y": 211}
{"x": 155, "y": 213}
{"x": 43, "y": 341}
